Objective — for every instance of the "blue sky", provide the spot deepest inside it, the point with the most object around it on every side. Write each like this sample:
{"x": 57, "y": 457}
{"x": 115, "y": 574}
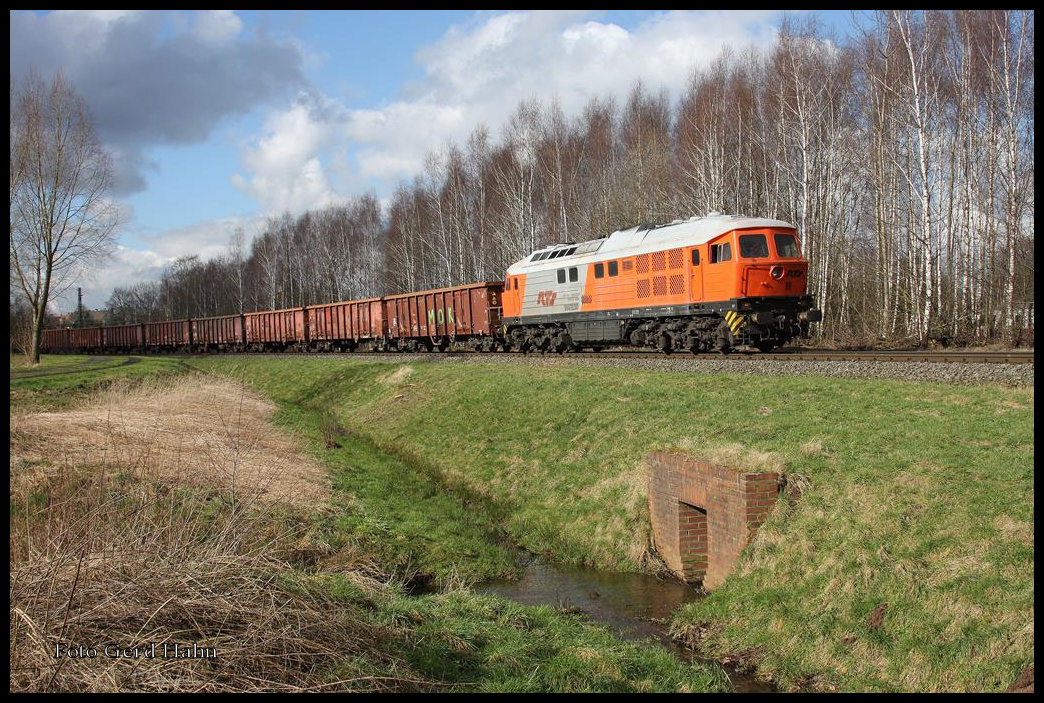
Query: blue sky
{"x": 218, "y": 119}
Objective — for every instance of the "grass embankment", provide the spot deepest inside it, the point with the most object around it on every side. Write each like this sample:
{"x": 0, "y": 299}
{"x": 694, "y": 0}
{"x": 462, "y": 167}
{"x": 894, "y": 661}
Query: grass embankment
{"x": 60, "y": 381}
{"x": 173, "y": 511}
{"x": 907, "y": 564}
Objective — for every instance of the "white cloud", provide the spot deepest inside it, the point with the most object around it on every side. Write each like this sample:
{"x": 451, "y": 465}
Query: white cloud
{"x": 206, "y": 240}
{"x": 124, "y": 267}
{"x": 89, "y": 23}
{"x": 285, "y": 169}
{"x": 217, "y": 25}
{"x": 477, "y": 74}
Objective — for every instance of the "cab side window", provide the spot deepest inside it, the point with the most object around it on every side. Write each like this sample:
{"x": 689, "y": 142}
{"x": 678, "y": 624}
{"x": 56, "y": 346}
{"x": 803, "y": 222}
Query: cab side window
{"x": 753, "y": 246}
{"x": 561, "y": 275}
{"x": 695, "y": 257}
{"x": 721, "y": 252}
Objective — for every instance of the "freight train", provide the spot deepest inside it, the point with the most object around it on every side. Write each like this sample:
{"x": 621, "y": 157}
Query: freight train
{"x": 712, "y": 283}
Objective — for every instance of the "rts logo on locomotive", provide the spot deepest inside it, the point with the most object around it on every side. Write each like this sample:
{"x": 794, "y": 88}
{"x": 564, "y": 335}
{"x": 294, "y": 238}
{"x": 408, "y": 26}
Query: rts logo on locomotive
{"x": 546, "y": 298}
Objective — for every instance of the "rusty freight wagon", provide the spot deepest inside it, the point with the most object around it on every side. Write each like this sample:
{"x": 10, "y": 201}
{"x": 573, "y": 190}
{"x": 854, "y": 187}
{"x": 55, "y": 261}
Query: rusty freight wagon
{"x": 87, "y": 338}
{"x": 218, "y": 333}
{"x": 56, "y": 340}
{"x": 346, "y": 325}
{"x": 275, "y": 329}
{"x": 171, "y": 335}
{"x": 123, "y": 337}
{"x": 462, "y": 316}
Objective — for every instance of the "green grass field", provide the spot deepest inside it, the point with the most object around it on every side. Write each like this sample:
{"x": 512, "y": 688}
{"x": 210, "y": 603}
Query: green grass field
{"x": 404, "y": 518}
{"x": 291, "y": 600}
{"x": 920, "y": 497}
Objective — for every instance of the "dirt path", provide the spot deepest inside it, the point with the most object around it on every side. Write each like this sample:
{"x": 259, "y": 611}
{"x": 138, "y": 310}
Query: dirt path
{"x": 93, "y": 361}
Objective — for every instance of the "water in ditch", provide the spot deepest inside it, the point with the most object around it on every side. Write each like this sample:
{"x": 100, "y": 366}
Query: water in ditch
{"x": 635, "y": 606}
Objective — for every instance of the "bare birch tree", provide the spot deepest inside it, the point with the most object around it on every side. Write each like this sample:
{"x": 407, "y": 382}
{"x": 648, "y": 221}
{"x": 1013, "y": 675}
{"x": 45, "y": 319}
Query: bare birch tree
{"x": 61, "y": 218}
{"x": 236, "y": 270}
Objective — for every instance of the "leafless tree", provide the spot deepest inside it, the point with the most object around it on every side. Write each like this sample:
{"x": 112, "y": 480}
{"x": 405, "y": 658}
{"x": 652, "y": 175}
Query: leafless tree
{"x": 137, "y": 303}
{"x": 236, "y": 269}
{"x": 904, "y": 154}
{"x": 61, "y": 217}
{"x": 21, "y": 327}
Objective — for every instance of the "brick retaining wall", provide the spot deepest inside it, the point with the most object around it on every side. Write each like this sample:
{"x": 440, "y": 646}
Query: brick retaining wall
{"x": 704, "y": 514}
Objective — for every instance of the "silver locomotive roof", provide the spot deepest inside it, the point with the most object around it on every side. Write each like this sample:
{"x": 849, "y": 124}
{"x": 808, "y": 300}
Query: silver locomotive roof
{"x": 640, "y": 239}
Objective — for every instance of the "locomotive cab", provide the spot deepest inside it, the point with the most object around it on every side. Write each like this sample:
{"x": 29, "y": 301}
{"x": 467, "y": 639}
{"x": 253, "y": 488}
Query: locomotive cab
{"x": 768, "y": 277}
{"x": 754, "y": 263}
{"x": 771, "y": 264}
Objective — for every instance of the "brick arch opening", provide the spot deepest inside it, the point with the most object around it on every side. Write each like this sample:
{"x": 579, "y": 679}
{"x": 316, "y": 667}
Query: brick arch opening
{"x": 692, "y": 541}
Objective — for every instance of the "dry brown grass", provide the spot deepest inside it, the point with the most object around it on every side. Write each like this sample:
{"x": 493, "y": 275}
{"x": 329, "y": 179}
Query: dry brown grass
{"x": 397, "y": 377}
{"x": 138, "y": 564}
{"x": 196, "y": 431}
{"x": 125, "y": 531}
{"x": 735, "y": 456}
{"x": 1014, "y": 529}
{"x": 814, "y": 447}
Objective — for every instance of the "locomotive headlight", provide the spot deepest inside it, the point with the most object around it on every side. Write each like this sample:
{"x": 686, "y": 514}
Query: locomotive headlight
{"x": 777, "y": 272}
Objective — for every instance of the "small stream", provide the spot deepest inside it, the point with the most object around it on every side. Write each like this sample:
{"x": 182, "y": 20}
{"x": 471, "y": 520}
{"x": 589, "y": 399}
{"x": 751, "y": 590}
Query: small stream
{"x": 635, "y": 606}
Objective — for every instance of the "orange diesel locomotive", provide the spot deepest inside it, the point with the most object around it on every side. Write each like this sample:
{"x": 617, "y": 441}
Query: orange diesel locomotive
{"x": 707, "y": 283}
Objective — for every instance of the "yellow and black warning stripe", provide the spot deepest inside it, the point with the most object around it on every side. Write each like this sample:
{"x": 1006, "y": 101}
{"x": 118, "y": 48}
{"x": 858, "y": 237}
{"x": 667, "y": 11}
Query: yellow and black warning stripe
{"x": 735, "y": 321}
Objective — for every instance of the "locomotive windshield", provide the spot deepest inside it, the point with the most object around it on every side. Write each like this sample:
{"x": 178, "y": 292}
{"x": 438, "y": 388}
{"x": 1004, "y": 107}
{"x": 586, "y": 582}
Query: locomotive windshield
{"x": 753, "y": 246}
{"x": 786, "y": 246}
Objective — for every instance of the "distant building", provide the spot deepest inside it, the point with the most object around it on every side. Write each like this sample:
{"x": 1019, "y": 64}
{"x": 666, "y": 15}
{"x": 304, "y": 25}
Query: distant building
{"x": 91, "y": 318}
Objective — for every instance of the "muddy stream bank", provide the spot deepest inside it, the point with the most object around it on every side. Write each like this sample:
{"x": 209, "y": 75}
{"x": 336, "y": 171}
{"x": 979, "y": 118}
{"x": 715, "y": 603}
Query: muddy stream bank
{"x": 635, "y": 606}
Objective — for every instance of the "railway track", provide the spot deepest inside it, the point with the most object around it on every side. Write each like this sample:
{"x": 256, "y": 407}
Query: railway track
{"x": 941, "y": 357}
